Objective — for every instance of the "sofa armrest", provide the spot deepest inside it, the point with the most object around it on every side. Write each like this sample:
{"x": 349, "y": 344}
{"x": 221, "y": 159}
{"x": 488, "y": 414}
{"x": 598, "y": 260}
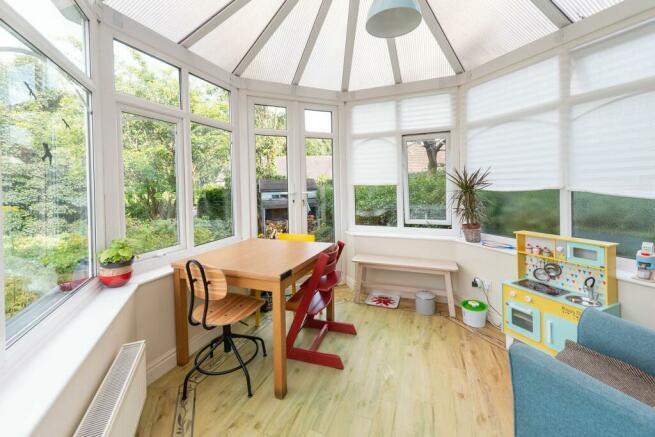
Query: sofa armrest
{"x": 618, "y": 338}
{"x": 554, "y": 399}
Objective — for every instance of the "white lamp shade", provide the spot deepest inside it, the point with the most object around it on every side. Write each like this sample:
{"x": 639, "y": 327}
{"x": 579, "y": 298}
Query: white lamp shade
{"x": 392, "y": 18}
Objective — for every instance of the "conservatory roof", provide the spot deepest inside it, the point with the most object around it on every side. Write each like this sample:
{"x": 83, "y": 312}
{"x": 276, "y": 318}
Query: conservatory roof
{"x": 324, "y": 43}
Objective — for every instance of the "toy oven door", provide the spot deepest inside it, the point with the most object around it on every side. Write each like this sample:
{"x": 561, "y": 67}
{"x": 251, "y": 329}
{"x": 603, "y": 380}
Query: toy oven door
{"x": 524, "y": 320}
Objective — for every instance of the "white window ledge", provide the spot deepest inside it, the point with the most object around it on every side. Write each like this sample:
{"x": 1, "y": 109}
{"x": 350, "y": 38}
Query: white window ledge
{"x": 37, "y": 368}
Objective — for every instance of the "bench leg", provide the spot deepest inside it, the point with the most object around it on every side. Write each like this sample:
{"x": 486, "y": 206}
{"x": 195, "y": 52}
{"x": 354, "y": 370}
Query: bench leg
{"x": 449, "y": 295}
{"x": 358, "y": 282}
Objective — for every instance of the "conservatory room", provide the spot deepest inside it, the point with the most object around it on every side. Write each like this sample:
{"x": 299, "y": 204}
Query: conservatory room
{"x": 327, "y": 218}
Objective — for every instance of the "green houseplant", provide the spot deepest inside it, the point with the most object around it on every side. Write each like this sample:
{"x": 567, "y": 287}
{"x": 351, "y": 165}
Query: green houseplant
{"x": 116, "y": 263}
{"x": 466, "y": 200}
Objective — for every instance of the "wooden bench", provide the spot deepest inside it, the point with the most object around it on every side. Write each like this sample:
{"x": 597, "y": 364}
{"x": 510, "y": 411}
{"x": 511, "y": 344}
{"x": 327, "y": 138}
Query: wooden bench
{"x": 403, "y": 264}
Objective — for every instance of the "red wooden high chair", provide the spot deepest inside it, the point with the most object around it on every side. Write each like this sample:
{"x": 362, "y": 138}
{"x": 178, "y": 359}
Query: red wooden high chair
{"x": 315, "y": 295}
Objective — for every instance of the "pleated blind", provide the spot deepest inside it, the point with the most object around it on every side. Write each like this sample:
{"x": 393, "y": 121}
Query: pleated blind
{"x": 426, "y": 112}
{"x": 375, "y": 161}
{"x": 612, "y": 138}
{"x": 510, "y": 134}
{"x": 522, "y": 154}
{"x": 377, "y": 129}
{"x": 529, "y": 87}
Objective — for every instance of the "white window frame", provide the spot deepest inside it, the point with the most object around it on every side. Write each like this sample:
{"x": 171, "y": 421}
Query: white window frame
{"x": 333, "y": 135}
{"x": 398, "y": 134}
{"x": 405, "y": 179}
{"x": 12, "y": 353}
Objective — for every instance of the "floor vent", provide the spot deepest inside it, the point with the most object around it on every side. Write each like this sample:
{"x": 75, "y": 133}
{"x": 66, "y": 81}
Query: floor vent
{"x": 117, "y": 405}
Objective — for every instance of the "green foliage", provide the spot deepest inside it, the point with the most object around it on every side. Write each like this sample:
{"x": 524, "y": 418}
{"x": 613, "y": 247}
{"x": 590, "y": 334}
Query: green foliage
{"x": 427, "y": 194}
{"x": 206, "y": 230}
{"x": 209, "y": 100}
{"x": 466, "y": 201}
{"x": 17, "y": 296}
{"x": 214, "y": 202}
{"x": 118, "y": 251}
{"x": 70, "y": 252}
{"x": 151, "y": 235}
{"x": 375, "y": 205}
{"x": 521, "y": 210}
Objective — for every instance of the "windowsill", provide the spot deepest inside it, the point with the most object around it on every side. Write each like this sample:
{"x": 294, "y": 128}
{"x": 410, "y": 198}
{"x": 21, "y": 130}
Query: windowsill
{"x": 37, "y": 368}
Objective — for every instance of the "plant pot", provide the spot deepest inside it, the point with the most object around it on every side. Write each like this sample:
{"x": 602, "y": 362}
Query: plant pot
{"x": 471, "y": 232}
{"x": 115, "y": 274}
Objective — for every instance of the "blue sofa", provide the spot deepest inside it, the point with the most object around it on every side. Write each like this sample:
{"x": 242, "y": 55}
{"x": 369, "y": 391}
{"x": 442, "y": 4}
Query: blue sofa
{"x": 554, "y": 399}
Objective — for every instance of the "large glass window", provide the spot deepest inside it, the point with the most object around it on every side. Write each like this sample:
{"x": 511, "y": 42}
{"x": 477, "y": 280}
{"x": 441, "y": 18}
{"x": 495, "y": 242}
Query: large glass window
{"x": 209, "y": 100}
{"x": 61, "y": 22}
{"x": 144, "y": 76}
{"x": 45, "y": 190}
{"x": 149, "y": 158}
{"x": 509, "y": 211}
{"x": 212, "y": 183}
{"x": 624, "y": 220}
{"x": 270, "y": 117}
{"x": 320, "y": 188}
{"x": 425, "y": 179}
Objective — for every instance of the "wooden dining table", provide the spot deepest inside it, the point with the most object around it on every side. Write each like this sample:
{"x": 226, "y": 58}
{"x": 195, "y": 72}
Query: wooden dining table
{"x": 258, "y": 264}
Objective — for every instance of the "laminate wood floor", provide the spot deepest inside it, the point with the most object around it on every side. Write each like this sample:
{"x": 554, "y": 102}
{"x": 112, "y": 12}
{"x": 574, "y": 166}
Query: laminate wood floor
{"x": 405, "y": 375}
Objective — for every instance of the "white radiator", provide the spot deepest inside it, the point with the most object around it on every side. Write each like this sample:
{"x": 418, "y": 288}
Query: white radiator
{"x": 117, "y": 405}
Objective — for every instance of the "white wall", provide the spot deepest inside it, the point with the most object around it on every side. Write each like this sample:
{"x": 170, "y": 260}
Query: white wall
{"x": 637, "y": 301}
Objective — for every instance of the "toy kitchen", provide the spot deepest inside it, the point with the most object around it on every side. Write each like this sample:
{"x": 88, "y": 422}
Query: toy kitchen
{"x": 559, "y": 277}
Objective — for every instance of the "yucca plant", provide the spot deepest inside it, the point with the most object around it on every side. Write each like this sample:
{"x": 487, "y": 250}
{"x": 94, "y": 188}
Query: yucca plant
{"x": 466, "y": 200}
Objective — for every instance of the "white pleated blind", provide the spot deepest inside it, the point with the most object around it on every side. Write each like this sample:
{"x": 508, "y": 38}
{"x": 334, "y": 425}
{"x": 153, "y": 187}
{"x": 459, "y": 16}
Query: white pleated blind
{"x": 528, "y": 87}
{"x": 373, "y": 118}
{"x": 375, "y": 161}
{"x": 426, "y": 112}
{"x": 523, "y": 154}
{"x": 612, "y": 147}
{"x": 624, "y": 58}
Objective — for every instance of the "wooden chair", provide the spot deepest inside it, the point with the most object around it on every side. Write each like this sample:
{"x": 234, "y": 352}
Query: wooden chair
{"x": 316, "y": 294}
{"x": 287, "y": 237}
{"x": 218, "y": 308}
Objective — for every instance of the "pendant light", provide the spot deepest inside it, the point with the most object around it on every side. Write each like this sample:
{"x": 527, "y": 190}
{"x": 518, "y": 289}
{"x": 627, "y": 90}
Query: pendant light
{"x": 392, "y": 18}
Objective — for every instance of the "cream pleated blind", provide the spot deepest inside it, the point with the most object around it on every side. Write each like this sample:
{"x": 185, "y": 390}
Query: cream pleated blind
{"x": 375, "y": 161}
{"x": 513, "y": 128}
{"x": 529, "y": 87}
{"x": 522, "y": 154}
{"x": 377, "y": 129}
{"x": 612, "y": 137}
{"x": 426, "y": 112}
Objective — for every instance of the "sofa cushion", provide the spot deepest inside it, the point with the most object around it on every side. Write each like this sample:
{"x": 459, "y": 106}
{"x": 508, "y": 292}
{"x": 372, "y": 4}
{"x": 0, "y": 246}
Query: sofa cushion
{"x": 611, "y": 371}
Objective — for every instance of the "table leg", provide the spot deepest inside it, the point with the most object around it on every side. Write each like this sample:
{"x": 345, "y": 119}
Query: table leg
{"x": 449, "y": 295}
{"x": 279, "y": 342}
{"x": 181, "y": 327}
{"x": 258, "y": 314}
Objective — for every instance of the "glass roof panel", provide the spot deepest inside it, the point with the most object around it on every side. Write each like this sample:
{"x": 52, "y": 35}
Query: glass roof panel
{"x": 483, "y": 30}
{"x": 226, "y": 45}
{"x": 420, "y": 57}
{"x": 371, "y": 65}
{"x": 579, "y": 9}
{"x": 173, "y": 19}
{"x": 278, "y": 59}
{"x": 325, "y": 66}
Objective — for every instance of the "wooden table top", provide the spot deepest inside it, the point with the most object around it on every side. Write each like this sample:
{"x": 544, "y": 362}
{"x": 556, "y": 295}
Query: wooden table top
{"x": 258, "y": 258}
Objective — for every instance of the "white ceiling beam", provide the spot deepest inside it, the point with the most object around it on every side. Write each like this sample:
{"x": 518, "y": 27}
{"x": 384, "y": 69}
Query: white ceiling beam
{"x": 436, "y": 29}
{"x": 213, "y": 22}
{"x": 350, "y": 44}
{"x": 311, "y": 41}
{"x": 393, "y": 56}
{"x": 263, "y": 37}
{"x": 552, "y": 12}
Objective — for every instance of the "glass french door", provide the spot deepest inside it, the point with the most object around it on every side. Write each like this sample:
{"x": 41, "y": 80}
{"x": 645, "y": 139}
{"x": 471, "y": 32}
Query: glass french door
{"x": 294, "y": 168}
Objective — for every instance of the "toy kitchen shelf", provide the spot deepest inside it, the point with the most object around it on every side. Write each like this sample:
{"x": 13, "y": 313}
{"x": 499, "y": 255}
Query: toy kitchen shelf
{"x": 555, "y": 276}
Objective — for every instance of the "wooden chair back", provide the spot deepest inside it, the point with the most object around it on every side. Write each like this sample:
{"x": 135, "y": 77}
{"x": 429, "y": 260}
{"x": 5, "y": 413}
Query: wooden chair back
{"x": 296, "y": 237}
{"x": 206, "y": 283}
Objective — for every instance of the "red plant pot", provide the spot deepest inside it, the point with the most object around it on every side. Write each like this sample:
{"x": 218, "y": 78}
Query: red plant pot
{"x": 115, "y": 274}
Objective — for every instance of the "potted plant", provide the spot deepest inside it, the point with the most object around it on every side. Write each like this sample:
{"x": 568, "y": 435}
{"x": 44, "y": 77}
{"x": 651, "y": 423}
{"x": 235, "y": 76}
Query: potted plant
{"x": 116, "y": 263}
{"x": 466, "y": 200}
